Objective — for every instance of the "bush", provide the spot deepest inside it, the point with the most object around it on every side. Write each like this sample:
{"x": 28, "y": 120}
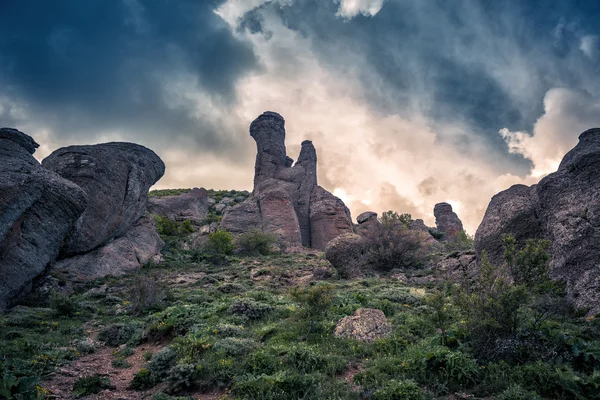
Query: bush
{"x": 516, "y": 392}
{"x": 395, "y": 246}
{"x": 24, "y": 387}
{"x": 91, "y": 385}
{"x": 147, "y": 293}
{"x": 256, "y": 243}
{"x": 393, "y": 218}
{"x": 167, "y": 227}
{"x": 182, "y": 377}
{"x": 142, "y": 380}
{"x": 251, "y": 309}
{"x": 283, "y": 384}
{"x": 85, "y": 346}
{"x": 115, "y": 335}
{"x": 220, "y": 242}
{"x": 161, "y": 363}
{"x": 63, "y": 304}
{"x": 399, "y": 390}
{"x": 461, "y": 242}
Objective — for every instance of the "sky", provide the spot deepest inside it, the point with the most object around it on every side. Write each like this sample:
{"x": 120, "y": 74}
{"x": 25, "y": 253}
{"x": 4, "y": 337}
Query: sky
{"x": 408, "y": 102}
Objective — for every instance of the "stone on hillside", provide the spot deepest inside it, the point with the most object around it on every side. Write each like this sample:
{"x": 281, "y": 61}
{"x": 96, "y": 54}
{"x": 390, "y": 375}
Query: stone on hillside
{"x": 286, "y": 200}
{"x": 368, "y": 224}
{"x": 329, "y": 218}
{"x": 446, "y": 220}
{"x": 564, "y": 207}
{"x": 366, "y": 217}
{"x": 365, "y": 325}
{"x": 139, "y": 246}
{"x": 192, "y": 206}
{"x": 348, "y": 254}
{"x": 221, "y": 208}
{"x": 116, "y": 178}
{"x": 37, "y": 210}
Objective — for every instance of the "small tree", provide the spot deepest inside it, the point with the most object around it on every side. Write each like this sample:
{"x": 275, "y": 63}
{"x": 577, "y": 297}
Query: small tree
{"x": 395, "y": 246}
{"x": 220, "y": 242}
{"x": 392, "y": 217}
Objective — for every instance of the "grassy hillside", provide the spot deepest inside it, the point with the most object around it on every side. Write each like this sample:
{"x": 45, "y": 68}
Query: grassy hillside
{"x": 261, "y": 327}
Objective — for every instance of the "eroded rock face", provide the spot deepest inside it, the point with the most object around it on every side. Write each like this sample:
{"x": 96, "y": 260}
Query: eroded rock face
{"x": 140, "y": 245}
{"x": 38, "y": 208}
{"x": 564, "y": 208}
{"x": 365, "y": 325}
{"x": 447, "y": 221}
{"x": 116, "y": 177}
{"x": 510, "y": 211}
{"x": 192, "y": 206}
{"x": 286, "y": 199}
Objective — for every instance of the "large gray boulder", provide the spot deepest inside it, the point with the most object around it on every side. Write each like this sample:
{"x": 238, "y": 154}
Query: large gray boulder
{"x": 286, "y": 200}
{"x": 38, "y": 208}
{"x": 116, "y": 176}
{"x": 348, "y": 254}
{"x": 510, "y": 211}
{"x": 564, "y": 207}
{"x": 192, "y": 206}
{"x": 140, "y": 245}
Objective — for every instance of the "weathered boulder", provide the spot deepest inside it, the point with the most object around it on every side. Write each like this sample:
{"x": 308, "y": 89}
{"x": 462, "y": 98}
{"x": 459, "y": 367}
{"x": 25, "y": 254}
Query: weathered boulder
{"x": 140, "y": 245}
{"x": 446, "y": 220}
{"x": 286, "y": 199}
{"x": 348, "y": 254}
{"x": 368, "y": 224}
{"x": 192, "y": 206}
{"x": 510, "y": 211}
{"x": 116, "y": 177}
{"x": 564, "y": 207}
{"x": 365, "y": 325}
{"x": 38, "y": 208}
{"x": 329, "y": 218}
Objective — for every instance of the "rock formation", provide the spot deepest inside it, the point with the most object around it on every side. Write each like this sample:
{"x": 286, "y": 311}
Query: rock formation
{"x": 116, "y": 177}
{"x": 563, "y": 207}
{"x": 447, "y": 222}
{"x": 37, "y": 210}
{"x": 192, "y": 206}
{"x": 365, "y": 325}
{"x": 348, "y": 254}
{"x": 286, "y": 199}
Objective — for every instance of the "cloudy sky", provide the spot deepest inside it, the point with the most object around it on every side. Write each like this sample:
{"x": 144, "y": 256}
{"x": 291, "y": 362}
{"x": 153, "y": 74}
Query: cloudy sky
{"x": 408, "y": 102}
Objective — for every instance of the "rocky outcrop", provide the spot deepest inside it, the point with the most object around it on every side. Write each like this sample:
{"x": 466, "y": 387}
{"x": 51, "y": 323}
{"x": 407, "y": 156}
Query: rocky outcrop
{"x": 447, "y": 222}
{"x": 192, "y": 206}
{"x": 116, "y": 177}
{"x": 510, "y": 211}
{"x": 329, "y": 218}
{"x": 348, "y": 254}
{"x": 286, "y": 199}
{"x": 139, "y": 246}
{"x": 564, "y": 207}
{"x": 365, "y": 325}
{"x": 37, "y": 210}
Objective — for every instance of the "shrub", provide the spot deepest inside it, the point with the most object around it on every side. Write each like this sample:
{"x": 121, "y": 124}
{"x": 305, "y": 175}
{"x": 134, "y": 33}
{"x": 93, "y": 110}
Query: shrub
{"x": 115, "y": 335}
{"x": 516, "y": 392}
{"x": 161, "y": 363}
{"x": 220, "y": 242}
{"x": 399, "y": 390}
{"x": 85, "y": 346}
{"x": 395, "y": 246}
{"x": 120, "y": 363}
{"x": 251, "y": 309}
{"x": 283, "y": 384}
{"x": 211, "y": 218}
{"x": 91, "y": 385}
{"x": 63, "y": 304}
{"x": 461, "y": 242}
{"x": 142, "y": 380}
{"x": 182, "y": 377}
{"x": 392, "y": 218}
{"x": 167, "y": 227}
{"x": 24, "y": 387}
{"x": 147, "y": 293}
{"x": 256, "y": 243}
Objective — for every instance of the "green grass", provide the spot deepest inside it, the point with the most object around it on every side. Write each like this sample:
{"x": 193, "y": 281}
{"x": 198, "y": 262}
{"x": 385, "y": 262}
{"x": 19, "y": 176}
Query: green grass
{"x": 255, "y": 326}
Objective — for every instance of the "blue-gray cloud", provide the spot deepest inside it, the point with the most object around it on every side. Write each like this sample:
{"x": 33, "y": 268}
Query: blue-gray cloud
{"x": 91, "y": 66}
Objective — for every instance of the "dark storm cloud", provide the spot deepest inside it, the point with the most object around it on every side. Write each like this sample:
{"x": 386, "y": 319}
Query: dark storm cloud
{"x": 86, "y": 67}
{"x": 484, "y": 65}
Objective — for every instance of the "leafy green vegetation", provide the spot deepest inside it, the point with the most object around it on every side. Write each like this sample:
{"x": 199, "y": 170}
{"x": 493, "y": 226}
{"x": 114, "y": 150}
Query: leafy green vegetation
{"x": 167, "y": 192}
{"x": 261, "y": 326}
